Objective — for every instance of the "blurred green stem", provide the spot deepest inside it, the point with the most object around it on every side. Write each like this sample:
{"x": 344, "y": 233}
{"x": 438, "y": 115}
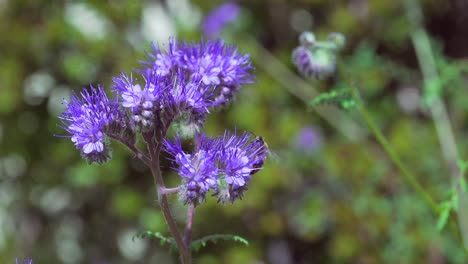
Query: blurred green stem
{"x": 438, "y": 110}
{"x": 409, "y": 177}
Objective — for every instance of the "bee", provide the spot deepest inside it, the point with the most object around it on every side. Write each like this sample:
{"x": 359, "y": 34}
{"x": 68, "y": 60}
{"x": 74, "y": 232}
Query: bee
{"x": 257, "y": 166}
{"x": 263, "y": 152}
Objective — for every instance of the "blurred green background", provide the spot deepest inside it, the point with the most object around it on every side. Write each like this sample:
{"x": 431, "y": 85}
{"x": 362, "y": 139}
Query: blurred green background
{"x": 334, "y": 199}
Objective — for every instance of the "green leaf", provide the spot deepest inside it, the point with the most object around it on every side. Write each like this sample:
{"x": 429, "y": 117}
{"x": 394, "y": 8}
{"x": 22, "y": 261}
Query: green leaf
{"x": 163, "y": 240}
{"x": 200, "y": 243}
{"x": 342, "y": 97}
{"x": 446, "y": 207}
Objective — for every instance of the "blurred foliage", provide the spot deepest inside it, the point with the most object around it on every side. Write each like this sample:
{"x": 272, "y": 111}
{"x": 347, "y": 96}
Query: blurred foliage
{"x": 341, "y": 202}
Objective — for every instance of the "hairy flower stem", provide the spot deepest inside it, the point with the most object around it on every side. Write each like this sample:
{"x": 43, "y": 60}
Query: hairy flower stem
{"x": 395, "y": 158}
{"x": 184, "y": 251}
{"x": 188, "y": 227}
{"x": 142, "y": 156}
{"x": 167, "y": 191}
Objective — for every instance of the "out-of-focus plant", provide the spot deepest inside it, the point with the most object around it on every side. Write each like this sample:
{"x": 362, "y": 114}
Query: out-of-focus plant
{"x": 215, "y": 21}
{"x": 318, "y": 60}
{"x": 178, "y": 87}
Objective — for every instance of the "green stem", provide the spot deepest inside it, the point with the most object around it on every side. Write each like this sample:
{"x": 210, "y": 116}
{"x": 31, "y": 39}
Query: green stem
{"x": 439, "y": 113}
{"x": 396, "y": 159}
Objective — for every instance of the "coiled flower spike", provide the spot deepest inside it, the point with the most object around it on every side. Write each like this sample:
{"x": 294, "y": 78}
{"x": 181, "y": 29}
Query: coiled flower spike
{"x": 86, "y": 119}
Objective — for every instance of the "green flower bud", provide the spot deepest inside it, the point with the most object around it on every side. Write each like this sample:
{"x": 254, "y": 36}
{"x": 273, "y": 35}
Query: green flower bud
{"x": 338, "y": 39}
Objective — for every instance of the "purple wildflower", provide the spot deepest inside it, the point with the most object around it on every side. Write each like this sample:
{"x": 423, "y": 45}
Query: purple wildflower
{"x": 307, "y": 139}
{"x": 302, "y": 58}
{"x": 212, "y": 64}
{"x": 218, "y": 18}
{"x": 197, "y": 169}
{"x": 87, "y": 118}
{"x": 317, "y": 59}
{"x": 224, "y": 164}
{"x": 239, "y": 157}
{"x": 317, "y": 63}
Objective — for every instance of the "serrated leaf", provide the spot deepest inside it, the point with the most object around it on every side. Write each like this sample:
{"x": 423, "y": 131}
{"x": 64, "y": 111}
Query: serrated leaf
{"x": 199, "y": 243}
{"x": 343, "y": 98}
{"x": 163, "y": 240}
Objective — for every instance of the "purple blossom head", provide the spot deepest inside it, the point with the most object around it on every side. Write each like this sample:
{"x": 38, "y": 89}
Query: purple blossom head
{"x": 318, "y": 63}
{"x": 87, "y": 119}
{"x": 210, "y": 63}
{"x": 186, "y": 103}
{"x": 302, "y": 58}
{"x": 143, "y": 100}
{"x": 317, "y": 58}
{"x": 224, "y": 164}
{"x": 214, "y": 63}
{"x": 307, "y": 139}
{"x": 219, "y": 18}
{"x": 198, "y": 169}
{"x": 239, "y": 157}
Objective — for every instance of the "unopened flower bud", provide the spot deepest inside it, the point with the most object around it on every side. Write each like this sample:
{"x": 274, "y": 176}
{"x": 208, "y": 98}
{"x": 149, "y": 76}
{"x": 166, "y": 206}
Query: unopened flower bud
{"x": 147, "y": 114}
{"x": 317, "y": 63}
{"x": 338, "y": 40}
{"x": 307, "y": 39}
{"x": 137, "y": 118}
{"x": 191, "y": 185}
{"x": 147, "y": 105}
{"x": 145, "y": 123}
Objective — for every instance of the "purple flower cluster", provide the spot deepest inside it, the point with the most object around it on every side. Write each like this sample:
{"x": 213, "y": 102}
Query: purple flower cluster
{"x": 224, "y": 164}
{"x": 177, "y": 86}
{"x": 212, "y": 65}
{"x": 184, "y": 81}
